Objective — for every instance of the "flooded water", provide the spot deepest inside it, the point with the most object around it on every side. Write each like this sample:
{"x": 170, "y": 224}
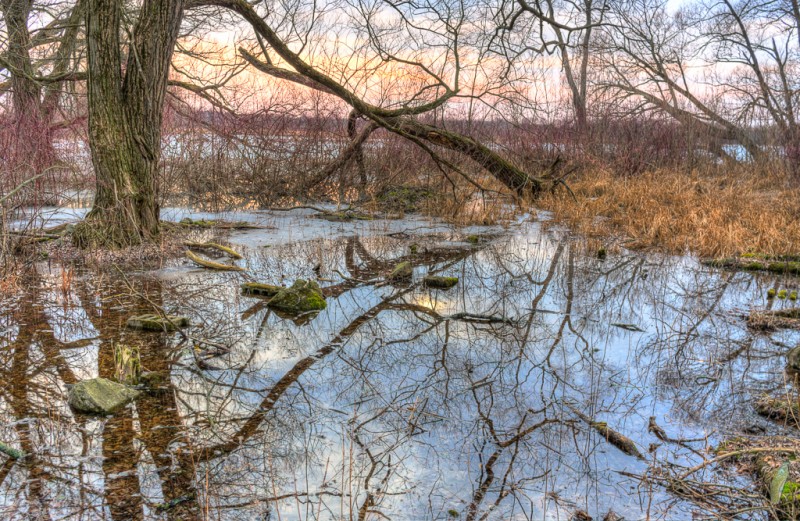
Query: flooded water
{"x": 397, "y": 401}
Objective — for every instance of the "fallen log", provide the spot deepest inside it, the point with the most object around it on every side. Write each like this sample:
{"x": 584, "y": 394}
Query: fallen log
{"x": 615, "y": 438}
{"x": 205, "y": 263}
{"x": 214, "y": 246}
{"x": 774, "y": 319}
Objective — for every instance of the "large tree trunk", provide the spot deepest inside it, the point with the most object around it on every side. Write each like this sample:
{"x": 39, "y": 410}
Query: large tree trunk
{"x": 30, "y": 148}
{"x": 125, "y": 120}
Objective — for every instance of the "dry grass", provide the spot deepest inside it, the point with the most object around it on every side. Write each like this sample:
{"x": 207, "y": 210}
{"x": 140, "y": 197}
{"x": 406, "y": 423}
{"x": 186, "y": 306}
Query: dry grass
{"x": 710, "y": 215}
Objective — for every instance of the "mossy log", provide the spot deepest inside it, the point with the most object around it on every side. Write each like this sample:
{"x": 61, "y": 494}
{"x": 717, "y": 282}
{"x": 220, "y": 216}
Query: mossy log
{"x": 433, "y": 281}
{"x": 11, "y": 452}
{"x": 774, "y": 319}
{"x": 401, "y": 271}
{"x": 782, "y": 410}
{"x": 214, "y": 246}
{"x": 260, "y": 290}
{"x": 615, "y": 438}
{"x": 784, "y": 264}
{"x": 152, "y": 322}
{"x": 223, "y": 225}
{"x": 205, "y": 263}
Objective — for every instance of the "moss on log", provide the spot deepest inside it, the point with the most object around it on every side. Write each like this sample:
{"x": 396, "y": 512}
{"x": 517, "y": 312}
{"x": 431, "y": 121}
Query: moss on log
{"x": 774, "y": 319}
{"x": 433, "y": 281}
{"x": 214, "y": 246}
{"x": 783, "y": 264}
{"x": 206, "y": 263}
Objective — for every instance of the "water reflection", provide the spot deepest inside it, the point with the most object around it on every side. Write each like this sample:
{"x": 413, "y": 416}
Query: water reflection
{"x": 397, "y": 401}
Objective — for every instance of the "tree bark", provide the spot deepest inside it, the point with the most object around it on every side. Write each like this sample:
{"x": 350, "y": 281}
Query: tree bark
{"x": 125, "y": 113}
{"x": 31, "y": 148}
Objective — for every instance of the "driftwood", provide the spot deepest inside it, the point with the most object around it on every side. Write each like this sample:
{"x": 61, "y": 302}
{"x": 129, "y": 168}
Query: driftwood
{"x": 214, "y": 246}
{"x": 615, "y": 438}
{"x": 205, "y": 263}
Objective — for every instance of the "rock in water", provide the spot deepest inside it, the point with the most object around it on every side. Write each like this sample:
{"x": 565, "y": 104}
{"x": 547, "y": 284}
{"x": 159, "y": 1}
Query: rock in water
{"x": 793, "y": 360}
{"x": 303, "y": 296}
{"x": 157, "y": 323}
{"x": 402, "y": 271}
{"x": 100, "y": 396}
{"x": 433, "y": 281}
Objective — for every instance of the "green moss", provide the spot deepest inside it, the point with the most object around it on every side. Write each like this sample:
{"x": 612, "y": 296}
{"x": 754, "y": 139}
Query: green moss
{"x": 433, "y": 281}
{"x": 414, "y": 248}
{"x": 602, "y": 253}
{"x": 452, "y": 512}
{"x": 771, "y": 292}
{"x": 793, "y": 295}
{"x": 789, "y": 267}
{"x": 782, "y": 294}
{"x": 473, "y": 239}
{"x": 791, "y": 492}
{"x": 302, "y": 297}
{"x": 754, "y": 266}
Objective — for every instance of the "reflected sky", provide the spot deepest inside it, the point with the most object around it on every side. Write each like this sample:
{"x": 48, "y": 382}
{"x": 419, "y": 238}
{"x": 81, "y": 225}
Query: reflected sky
{"x": 397, "y": 401}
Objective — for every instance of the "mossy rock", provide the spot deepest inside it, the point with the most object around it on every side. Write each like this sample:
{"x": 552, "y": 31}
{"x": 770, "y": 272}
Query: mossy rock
{"x": 433, "y": 281}
{"x": 401, "y": 271}
{"x": 260, "y": 290}
{"x": 473, "y": 239}
{"x": 100, "y": 396}
{"x": 152, "y": 322}
{"x": 302, "y": 297}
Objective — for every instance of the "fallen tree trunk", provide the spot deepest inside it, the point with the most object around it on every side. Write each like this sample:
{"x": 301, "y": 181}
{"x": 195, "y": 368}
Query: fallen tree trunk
{"x": 774, "y": 319}
{"x": 398, "y": 121}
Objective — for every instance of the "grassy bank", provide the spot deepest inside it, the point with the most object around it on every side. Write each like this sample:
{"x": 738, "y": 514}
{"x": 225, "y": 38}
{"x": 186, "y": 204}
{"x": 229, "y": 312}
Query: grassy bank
{"x": 709, "y": 215}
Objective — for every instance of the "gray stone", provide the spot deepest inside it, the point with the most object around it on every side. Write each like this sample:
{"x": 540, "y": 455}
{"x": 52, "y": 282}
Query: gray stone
{"x": 100, "y": 396}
